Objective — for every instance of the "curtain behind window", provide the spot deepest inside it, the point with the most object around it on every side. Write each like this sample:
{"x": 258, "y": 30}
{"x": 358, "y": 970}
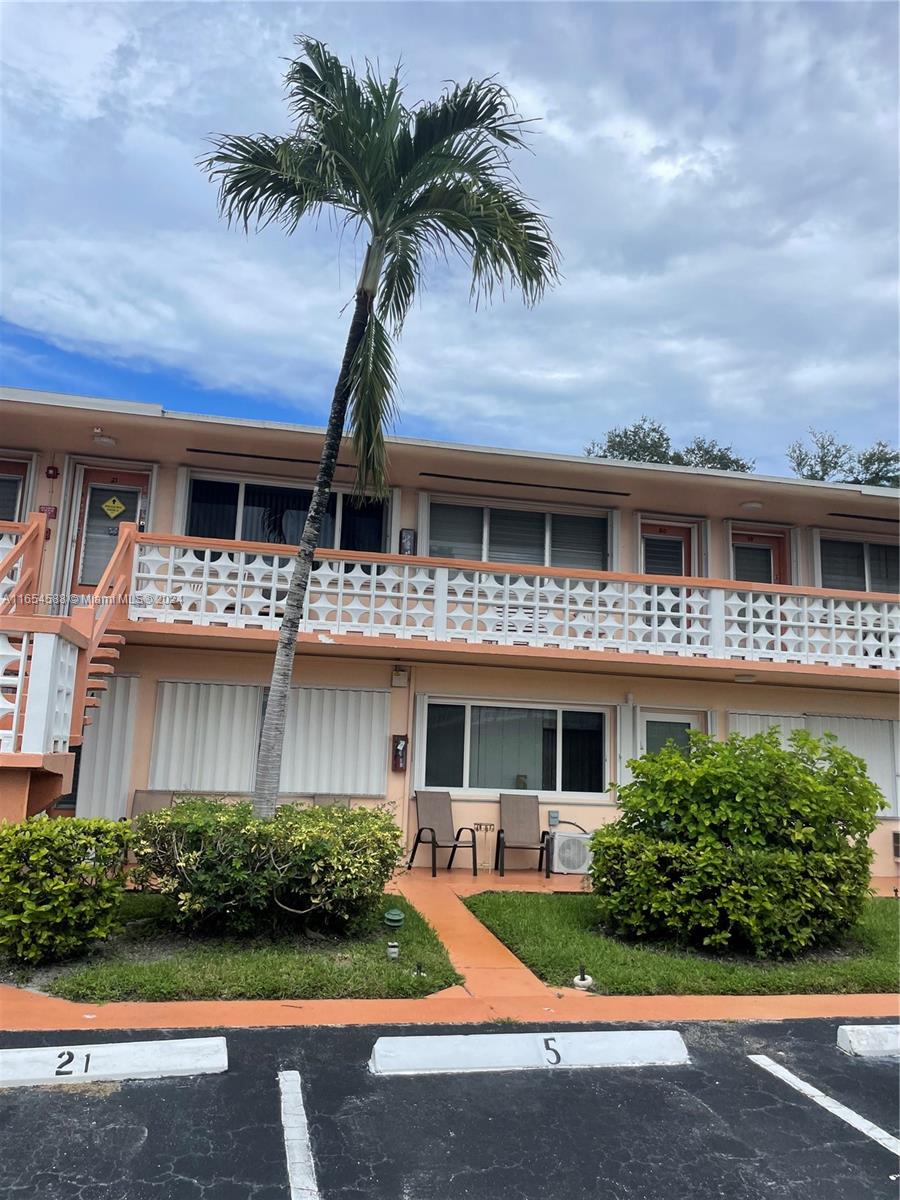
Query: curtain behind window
{"x": 509, "y": 751}
{"x": 212, "y": 508}
{"x": 278, "y": 514}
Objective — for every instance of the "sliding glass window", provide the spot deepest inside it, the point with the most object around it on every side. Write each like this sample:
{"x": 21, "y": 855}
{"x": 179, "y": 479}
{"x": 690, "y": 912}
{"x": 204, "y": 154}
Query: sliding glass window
{"x": 860, "y": 566}
{"x": 495, "y": 747}
{"x": 518, "y": 535}
{"x": 264, "y": 512}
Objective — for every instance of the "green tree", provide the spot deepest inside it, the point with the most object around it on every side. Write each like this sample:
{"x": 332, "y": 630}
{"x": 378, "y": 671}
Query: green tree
{"x": 431, "y": 180}
{"x": 648, "y": 441}
{"x": 830, "y": 461}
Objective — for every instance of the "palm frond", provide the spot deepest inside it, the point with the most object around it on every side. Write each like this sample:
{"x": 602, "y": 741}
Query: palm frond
{"x": 400, "y": 278}
{"x": 372, "y": 383}
{"x": 263, "y": 179}
{"x": 492, "y": 225}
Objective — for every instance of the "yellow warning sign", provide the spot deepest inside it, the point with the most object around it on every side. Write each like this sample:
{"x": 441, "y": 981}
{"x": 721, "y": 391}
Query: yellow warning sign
{"x": 112, "y": 507}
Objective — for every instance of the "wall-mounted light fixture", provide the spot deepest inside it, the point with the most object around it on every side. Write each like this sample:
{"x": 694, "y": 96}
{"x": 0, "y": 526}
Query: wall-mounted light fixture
{"x": 400, "y": 677}
{"x": 745, "y": 677}
{"x": 103, "y": 439}
{"x": 751, "y": 505}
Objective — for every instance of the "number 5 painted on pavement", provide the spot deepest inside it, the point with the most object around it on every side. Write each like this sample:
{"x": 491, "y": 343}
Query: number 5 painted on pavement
{"x": 551, "y": 1049}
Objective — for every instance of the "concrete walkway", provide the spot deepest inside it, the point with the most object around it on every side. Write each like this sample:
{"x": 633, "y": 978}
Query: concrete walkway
{"x": 498, "y": 987}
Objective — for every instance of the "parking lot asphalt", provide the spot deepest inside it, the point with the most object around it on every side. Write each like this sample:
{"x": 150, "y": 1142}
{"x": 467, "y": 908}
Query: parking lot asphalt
{"x": 718, "y": 1127}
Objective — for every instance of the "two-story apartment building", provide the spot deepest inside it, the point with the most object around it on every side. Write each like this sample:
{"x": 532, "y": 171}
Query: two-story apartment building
{"x": 514, "y": 620}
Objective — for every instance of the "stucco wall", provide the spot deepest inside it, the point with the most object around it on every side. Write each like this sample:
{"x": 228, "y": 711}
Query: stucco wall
{"x": 152, "y": 664}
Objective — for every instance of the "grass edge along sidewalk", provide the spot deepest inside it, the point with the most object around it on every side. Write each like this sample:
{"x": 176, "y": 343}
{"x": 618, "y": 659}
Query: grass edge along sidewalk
{"x": 149, "y": 961}
{"x": 553, "y": 935}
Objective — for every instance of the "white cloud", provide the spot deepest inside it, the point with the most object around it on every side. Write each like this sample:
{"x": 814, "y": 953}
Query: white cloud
{"x": 720, "y": 178}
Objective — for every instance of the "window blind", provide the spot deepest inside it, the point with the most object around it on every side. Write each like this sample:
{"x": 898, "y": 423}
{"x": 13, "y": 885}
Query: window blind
{"x": 663, "y": 556}
{"x": 456, "y": 531}
{"x": 753, "y": 563}
{"x": 843, "y": 565}
{"x": 884, "y": 568}
{"x": 579, "y": 542}
{"x": 516, "y": 536}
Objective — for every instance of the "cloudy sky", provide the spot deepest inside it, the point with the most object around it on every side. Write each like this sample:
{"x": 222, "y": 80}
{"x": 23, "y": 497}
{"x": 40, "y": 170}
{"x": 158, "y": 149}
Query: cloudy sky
{"x": 721, "y": 180}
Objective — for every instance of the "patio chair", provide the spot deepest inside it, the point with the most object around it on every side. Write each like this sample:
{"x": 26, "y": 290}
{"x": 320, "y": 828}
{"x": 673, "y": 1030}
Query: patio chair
{"x": 520, "y": 829}
{"x": 435, "y": 816}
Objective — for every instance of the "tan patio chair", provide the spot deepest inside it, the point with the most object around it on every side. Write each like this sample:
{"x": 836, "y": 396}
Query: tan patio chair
{"x": 149, "y": 801}
{"x": 435, "y": 816}
{"x": 520, "y": 829}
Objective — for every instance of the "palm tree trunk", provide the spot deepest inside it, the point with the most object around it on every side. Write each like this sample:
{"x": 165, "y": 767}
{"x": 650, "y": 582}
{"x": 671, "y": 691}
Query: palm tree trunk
{"x": 268, "y": 763}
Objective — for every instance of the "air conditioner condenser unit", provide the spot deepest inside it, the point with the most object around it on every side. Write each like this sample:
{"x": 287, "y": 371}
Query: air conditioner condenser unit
{"x": 571, "y": 853}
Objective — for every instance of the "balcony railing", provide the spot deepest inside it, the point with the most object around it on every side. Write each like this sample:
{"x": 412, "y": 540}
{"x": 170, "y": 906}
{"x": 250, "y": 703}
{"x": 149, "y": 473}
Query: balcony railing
{"x": 37, "y": 688}
{"x": 243, "y": 585}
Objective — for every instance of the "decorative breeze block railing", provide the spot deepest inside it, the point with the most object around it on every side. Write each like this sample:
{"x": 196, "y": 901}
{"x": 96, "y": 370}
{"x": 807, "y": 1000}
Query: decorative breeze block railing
{"x": 410, "y": 599}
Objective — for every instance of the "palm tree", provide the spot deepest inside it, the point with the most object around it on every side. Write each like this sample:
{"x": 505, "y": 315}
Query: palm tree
{"x": 415, "y": 182}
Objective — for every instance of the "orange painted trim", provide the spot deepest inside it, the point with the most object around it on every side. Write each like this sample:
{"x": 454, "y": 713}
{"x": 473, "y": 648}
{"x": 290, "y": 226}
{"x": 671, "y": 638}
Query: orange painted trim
{"x": 27, "y": 623}
{"x": 463, "y": 564}
{"x": 160, "y": 631}
{"x": 53, "y": 764}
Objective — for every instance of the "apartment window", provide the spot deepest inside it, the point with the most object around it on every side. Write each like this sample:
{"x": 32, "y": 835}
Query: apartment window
{"x": 12, "y": 486}
{"x": 262, "y": 512}
{"x": 657, "y": 729}
{"x": 860, "y": 566}
{"x": 667, "y": 548}
{"x": 516, "y": 535}
{"x": 496, "y": 747}
{"x": 759, "y": 557}
{"x": 213, "y": 508}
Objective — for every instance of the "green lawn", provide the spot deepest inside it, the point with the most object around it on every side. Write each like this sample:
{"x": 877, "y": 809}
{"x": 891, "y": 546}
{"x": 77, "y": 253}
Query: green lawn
{"x": 150, "y": 961}
{"x": 555, "y": 934}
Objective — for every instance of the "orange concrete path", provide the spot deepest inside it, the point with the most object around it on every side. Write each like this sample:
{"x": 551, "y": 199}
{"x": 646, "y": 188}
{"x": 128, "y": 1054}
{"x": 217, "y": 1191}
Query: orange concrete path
{"x": 497, "y": 986}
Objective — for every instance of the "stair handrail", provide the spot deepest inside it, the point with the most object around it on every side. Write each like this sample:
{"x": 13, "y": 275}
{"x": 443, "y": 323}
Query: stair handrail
{"x": 94, "y": 618}
{"x": 28, "y": 550}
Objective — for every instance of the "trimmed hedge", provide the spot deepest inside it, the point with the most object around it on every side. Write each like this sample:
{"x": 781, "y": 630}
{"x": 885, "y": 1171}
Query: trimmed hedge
{"x": 231, "y": 871}
{"x": 60, "y": 884}
{"x": 743, "y": 845}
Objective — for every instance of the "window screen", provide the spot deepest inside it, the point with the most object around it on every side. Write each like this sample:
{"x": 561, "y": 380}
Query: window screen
{"x": 444, "y": 745}
{"x": 513, "y": 749}
{"x": 362, "y": 525}
{"x": 278, "y": 514}
{"x": 456, "y": 531}
{"x": 663, "y": 556}
{"x": 582, "y": 752}
{"x": 657, "y": 733}
{"x": 212, "y": 509}
{"x": 884, "y": 568}
{"x": 579, "y": 542}
{"x": 753, "y": 563}
{"x": 516, "y": 536}
{"x": 843, "y": 565}
{"x": 9, "y": 497}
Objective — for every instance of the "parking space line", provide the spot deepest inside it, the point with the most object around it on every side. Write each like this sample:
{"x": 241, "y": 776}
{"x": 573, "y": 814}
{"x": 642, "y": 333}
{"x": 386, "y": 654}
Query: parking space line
{"x": 300, "y": 1165}
{"x": 833, "y": 1106}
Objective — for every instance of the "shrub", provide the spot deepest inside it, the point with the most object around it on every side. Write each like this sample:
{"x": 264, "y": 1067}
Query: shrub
{"x": 60, "y": 884}
{"x": 229, "y": 870}
{"x": 742, "y": 845}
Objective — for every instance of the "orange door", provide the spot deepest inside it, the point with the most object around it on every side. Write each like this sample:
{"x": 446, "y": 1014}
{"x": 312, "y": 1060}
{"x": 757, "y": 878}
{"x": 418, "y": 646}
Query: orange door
{"x": 106, "y": 499}
{"x": 760, "y": 557}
